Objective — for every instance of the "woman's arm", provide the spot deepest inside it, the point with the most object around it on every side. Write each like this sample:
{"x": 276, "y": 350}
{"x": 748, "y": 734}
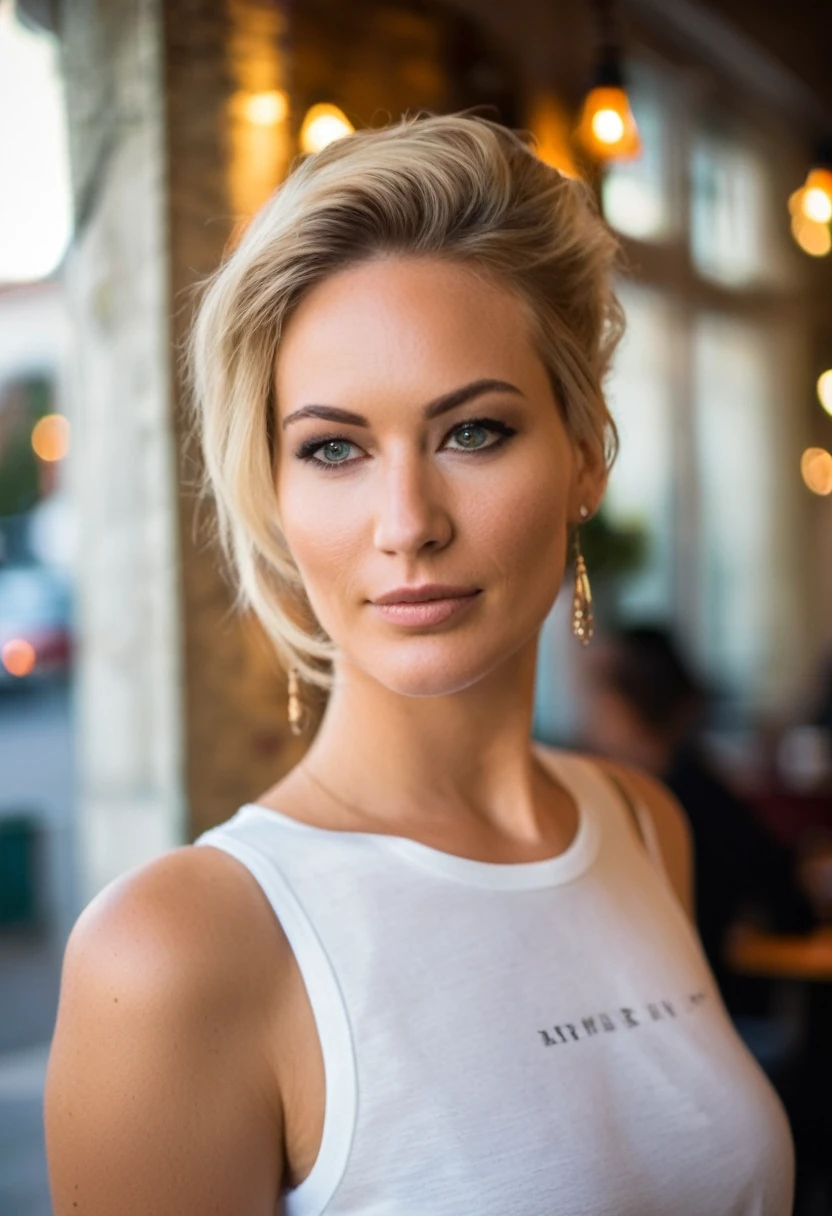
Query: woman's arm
{"x": 160, "y": 1091}
{"x": 671, "y": 824}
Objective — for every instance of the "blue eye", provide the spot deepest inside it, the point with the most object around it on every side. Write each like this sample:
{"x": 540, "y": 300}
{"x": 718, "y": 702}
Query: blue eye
{"x": 333, "y": 446}
{"x": 468, "y": 428}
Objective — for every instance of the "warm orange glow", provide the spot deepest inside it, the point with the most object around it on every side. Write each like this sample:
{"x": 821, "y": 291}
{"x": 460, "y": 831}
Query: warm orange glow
{"x": 816, "y": 470}
{"x": 265, "y": 109}
{"x": 607, "y": 128}
{"x": 825, "y": 390}
{"x": 322, "y": 125}
{"x": 50, "y": 437}
{"x": 813, "y": 238}
{"x": 816, "y": 196}
{"x": 18, "y": 657}
{"x": 795, "y": 202}
{"x": 550, "y": 123}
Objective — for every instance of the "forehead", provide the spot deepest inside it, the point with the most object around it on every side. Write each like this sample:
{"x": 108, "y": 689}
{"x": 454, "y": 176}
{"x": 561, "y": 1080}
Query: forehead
{"x": 420, "y": 325}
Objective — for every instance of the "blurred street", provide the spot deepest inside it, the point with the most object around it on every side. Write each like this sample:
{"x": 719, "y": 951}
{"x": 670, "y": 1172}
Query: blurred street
{"x": 35, "y": 779}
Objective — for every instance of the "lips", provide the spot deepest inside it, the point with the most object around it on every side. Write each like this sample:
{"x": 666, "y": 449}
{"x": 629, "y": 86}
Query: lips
{"x": 427, "y": 591}
{"x": 426, "y": 611}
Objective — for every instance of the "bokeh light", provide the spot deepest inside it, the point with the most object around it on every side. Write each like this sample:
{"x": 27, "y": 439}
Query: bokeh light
{"x": 322, "y": 125}
{"x": 817, "y": 205}
{"x": 816, "y": 470}
{"x": 825, "y": 390}
{"x": 18, "y": 657}
{"x": 50, "y": 437}
{"x": 266, "y": 109}
{"x": 812, "y": 237}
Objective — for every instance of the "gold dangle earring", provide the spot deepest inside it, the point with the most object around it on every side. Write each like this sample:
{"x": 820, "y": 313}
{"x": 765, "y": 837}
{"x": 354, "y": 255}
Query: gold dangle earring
{"x": 582, "y": 618}
{"x": 295, "y": 710}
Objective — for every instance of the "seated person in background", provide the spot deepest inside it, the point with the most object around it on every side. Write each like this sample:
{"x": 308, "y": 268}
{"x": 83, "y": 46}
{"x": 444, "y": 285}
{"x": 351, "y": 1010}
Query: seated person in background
{"x": 644, "y": 708}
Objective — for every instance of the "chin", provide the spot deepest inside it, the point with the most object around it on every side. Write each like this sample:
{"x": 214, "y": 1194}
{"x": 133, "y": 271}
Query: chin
{"x": 436, "y": 666}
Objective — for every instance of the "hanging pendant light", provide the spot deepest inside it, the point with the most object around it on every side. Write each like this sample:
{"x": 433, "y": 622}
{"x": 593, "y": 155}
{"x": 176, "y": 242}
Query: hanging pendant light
{"x": 607, "y": 128}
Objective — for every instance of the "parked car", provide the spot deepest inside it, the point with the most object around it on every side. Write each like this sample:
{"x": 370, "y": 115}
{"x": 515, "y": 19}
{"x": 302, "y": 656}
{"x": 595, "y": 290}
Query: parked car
{"x": 35, "y": 624}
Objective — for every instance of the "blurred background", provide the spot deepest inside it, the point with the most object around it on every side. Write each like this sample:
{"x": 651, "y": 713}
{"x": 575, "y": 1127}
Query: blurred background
{"x": 136, "y": 138}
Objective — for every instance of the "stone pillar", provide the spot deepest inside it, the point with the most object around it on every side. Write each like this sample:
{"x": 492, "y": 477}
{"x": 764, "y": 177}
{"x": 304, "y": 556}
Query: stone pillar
{"x": 130, "y": 795}
{"x": 180, "y": 706}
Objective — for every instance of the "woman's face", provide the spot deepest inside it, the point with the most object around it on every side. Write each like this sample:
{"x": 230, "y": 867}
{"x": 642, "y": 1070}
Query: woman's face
{"x": 419, "y": 442}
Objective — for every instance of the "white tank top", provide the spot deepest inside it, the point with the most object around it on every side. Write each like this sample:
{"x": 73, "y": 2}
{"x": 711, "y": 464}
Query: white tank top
{"x": 539, "y": 1039}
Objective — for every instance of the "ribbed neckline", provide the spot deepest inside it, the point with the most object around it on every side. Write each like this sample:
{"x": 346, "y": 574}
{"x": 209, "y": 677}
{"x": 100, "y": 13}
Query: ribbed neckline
{"x": 575, "y": 859}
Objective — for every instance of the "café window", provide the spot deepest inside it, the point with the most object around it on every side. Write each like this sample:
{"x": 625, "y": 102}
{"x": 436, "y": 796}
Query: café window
{"x": 703, "y": 390}
{"x": 730, "y": 193}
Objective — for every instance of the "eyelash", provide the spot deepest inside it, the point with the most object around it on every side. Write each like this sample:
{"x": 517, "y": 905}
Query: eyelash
{"x": 307, "y": 450}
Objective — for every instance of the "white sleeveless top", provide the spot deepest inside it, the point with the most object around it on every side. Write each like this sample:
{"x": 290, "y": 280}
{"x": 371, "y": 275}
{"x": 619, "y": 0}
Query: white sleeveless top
{"x": 539, "y": 1039}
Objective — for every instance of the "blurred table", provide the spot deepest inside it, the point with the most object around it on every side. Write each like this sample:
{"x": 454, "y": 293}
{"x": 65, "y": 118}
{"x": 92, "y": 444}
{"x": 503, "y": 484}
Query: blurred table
{"x": 781, "y": 956}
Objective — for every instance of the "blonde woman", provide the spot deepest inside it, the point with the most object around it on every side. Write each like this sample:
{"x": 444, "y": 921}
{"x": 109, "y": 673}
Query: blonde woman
{"x": 437, "y": 969}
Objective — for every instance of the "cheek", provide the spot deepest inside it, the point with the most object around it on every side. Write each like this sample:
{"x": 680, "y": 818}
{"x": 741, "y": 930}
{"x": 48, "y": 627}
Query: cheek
{"x": 325, "y": 533}
{"x": 520, "y": 523}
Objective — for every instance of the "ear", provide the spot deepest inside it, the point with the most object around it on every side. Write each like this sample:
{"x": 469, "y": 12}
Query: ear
{"x": 589, "y": 481}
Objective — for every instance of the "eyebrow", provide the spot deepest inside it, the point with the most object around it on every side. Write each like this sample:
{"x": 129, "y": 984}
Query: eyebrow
{"x": 440, "y": 405}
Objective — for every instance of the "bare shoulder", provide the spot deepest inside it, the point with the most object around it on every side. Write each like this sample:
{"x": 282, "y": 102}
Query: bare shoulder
{"x": 163, "y": 1028}
{"x": 669, "y": 820}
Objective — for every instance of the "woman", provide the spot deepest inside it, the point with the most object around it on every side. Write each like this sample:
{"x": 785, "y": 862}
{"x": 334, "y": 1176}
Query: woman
{"x": 435, "y": 969}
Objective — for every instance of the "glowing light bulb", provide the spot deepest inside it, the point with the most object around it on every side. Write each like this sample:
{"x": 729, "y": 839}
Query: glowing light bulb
{"x": 50, "y": 437}
{"x": 607, "y": 126}
{"x": 817, "y": 205}
{"x": 816, "y": 470}
{"x": 322, "y": 125}
{"x": 825, "y": 390}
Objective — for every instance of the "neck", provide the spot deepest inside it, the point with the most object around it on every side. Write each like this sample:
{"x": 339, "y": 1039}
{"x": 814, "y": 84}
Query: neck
{"x": 464, "y": 756}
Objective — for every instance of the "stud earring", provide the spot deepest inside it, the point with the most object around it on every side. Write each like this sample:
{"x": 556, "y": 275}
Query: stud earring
{"x": 295, "y": 710}
{"x": 582, "y": 618}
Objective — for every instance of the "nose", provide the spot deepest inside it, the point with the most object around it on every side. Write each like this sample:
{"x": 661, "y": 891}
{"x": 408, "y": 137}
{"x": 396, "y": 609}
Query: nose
{"x": 411, "y": 512}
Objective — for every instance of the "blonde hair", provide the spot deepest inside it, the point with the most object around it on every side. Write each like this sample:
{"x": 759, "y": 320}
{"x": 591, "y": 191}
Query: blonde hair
{"x": 454, "y": 186}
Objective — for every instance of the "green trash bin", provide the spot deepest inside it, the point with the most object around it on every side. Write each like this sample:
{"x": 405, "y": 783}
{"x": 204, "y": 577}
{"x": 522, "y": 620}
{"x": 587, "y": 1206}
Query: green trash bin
{"x": 17, "y": 870}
